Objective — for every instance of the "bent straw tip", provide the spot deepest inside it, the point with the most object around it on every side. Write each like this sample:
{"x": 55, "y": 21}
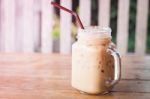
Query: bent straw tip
{"x": 70, "y": 11}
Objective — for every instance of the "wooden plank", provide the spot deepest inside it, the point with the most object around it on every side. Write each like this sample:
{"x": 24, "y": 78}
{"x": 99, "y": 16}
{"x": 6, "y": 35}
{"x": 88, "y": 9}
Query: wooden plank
{"x": 85, "y": 12}
{"x": 135, "y": 73}
{"x": 122, "y": 26}
{"x": 104, "y": 12}
{"x": 132, "y": 86}
{"x": 141, "y": 27}
{"x": 46, "y": 27}
{"x": 135, "y": 67}
{"x": 27, "y": 24}
{"x": 129, "y": 86}
{"x": 0, "y": 28}
{"x": 131, "y": 95}
{"x": 37, "y": 25}
{"x": 19, "y": 26}
{"x": 65, "y": 94}
{"x": 65, "y": 26}
{"x": 46, "y": 76}
{"x": 7, "y": 25}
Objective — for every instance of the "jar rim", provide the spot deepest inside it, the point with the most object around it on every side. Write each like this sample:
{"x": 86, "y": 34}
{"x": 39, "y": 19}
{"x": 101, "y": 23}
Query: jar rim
{"x": 95, "y": 30}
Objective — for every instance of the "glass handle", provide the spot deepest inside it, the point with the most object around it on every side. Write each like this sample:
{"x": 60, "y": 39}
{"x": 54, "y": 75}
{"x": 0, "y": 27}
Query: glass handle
{"x": 117, "y": 67}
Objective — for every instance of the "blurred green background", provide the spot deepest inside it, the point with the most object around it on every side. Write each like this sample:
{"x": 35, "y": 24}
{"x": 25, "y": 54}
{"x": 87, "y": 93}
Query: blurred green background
{"x": 113, "y": 22}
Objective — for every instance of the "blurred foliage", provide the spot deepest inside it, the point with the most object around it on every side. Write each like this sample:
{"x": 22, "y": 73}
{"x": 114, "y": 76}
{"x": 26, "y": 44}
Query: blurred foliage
{"x": 148, "y": 32}
{"x": 113, "y": 19}
{"x": 56, "y": 28}
{"x": 132, "y": 22}
{"x": 94, "y": 12}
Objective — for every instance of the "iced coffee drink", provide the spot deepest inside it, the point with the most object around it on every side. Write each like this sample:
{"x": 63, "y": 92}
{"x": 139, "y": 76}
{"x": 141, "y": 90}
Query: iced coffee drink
{"x": 95, "y": 63}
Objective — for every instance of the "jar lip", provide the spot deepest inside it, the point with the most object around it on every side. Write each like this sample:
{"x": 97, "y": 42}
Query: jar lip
{"x": 100, "y": 30}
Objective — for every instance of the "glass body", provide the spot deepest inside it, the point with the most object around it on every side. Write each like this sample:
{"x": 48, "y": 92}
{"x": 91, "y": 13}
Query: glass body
{"x": 92, "y": 65}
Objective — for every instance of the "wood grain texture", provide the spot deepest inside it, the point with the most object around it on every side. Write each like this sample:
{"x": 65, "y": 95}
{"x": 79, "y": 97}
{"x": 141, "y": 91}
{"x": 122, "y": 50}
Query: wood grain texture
{"x": 65, "y": 28}
{"x": 47, "y": 23}
{"x": 47, "y": 76}
{"x": 135, "y": 67}
{"x": 37, "y": 24}
{"x": 19, "y": 25}
{"x": 141, "y": 27}
{"x": 27, "y": 23}
{"x": 133, "y": 86}
{"x": 7, "y": 29}
{"x": 104, "y": 12}
{"x": 85, "y": 12}
{"x": 123, "y": 25}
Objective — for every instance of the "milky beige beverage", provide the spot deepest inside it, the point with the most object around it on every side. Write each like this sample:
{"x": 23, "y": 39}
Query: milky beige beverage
{"x": 95, "y": 62}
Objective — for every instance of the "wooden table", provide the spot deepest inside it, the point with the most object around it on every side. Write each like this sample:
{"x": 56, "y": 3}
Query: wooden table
{"x": 47, "y": 76}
